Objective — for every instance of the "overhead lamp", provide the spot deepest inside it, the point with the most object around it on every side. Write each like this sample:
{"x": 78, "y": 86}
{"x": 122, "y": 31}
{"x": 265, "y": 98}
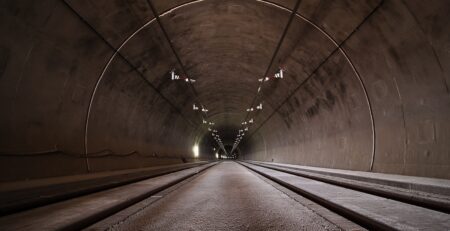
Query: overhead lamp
{"x": 250, "y": 121}
{"x": 204, "y": 121}
{"x": 194, "y": 107}
{"x": 265, "y": 79}
{"x": 250, "y": 109}
{"x": 174, "y": 76}
{"x": 259, "y": 107}
{"x": 209, "y": 129}
{"x": 279, "y": 74}
{"x": 204, "y": 109}
{"x": 211, "y": 123}
{"x": 246, "y": 129}
{"x": 190, "y": 80}
{"x": 244, "y": 123}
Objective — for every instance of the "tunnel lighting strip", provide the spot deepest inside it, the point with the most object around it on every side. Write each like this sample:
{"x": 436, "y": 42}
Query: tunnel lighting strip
{"x": 275, "y": 53}
{"x": 279, "y": 74}
{"x": 259, "y": 88}
{"x": 342, "y": 51}
{"x": 174, "y": 76}
{"x": 117, "y": 53}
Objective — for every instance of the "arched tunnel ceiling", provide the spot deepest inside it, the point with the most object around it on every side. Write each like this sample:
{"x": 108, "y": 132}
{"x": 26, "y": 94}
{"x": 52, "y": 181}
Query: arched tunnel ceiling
{"x": 85, "y": 84}
{"x": 226, "y": 46}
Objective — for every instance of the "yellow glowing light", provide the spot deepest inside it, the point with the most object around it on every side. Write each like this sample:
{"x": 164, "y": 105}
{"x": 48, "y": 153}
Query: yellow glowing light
{"x": 195, "y": 150}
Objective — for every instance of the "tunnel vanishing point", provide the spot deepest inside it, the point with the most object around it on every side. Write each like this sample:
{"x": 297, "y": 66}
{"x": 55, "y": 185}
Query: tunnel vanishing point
{"x": 102, "y": 95}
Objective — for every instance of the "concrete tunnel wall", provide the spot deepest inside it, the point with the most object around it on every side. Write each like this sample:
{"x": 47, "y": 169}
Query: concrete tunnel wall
{"x": 366, "y": 86}
{"x": 393, "y": 68}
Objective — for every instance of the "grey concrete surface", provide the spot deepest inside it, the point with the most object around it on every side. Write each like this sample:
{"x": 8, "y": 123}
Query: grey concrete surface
{"x": 226, "y": 197}
{"x": 419, "y": 184}
{"x": 366, "y": 85}
{"x": 431, "y": 197}
{"x": 80, "y": 212}
{"x": 18, "y": 196}
{"x": 383, "y": 213}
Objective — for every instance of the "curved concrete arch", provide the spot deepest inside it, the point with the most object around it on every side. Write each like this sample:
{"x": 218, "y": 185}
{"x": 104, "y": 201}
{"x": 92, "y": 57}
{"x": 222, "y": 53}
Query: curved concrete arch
{"x": 329, "y": 37}
{"x": 342, "y": 51}
{"x": 363, "y": 91}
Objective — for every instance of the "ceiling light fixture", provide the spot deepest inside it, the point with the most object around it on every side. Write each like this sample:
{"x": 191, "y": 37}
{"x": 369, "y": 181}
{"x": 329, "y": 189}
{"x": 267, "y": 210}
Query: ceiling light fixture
{"x": 174, "y": 76}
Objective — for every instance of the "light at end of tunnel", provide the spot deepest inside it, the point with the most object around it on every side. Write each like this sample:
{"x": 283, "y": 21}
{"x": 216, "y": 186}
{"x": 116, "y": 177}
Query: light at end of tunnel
{"x": 195, "y": 150}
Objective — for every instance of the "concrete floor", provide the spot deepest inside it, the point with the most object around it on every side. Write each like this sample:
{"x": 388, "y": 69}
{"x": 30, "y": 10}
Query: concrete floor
{"x": 226, "y": 197}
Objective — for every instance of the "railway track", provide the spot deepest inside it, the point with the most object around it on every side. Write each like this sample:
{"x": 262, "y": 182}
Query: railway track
{"x": 265, "y": 193}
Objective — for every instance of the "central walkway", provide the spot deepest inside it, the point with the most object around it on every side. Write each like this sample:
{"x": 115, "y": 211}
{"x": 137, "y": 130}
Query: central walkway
{"x": 226, "y": 197}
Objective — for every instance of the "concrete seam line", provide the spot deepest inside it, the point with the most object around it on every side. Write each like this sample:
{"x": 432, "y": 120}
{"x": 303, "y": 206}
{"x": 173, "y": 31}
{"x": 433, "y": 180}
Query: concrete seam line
{"x": 338, "y": 47}
{"x": 99, "y": 79}
{"x": 281, "y": 7}
{"x": 275, "y": 53}
{"x": 177, "y": 56}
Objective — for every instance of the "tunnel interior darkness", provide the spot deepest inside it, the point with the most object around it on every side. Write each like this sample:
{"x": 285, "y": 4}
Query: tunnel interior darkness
{"x": 85, "y": 86}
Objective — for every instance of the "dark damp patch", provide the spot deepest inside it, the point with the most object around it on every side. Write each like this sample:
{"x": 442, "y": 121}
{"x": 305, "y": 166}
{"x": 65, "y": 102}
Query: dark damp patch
{"x": 309, "y": 91}
{"x": 297, "y": 103}
{"x": 395, "y": 56}
{"x": 313, "y": 110}
{"x": 342, "y": 88}
{"x": 331, "y": 99}
{"x": 288, "y": 122}
{"x": 153, "y": 55}
{"x": 164, "y": 82}
{"x": 286, "y": 118}
{"x": 327, "y": 103}
{"x": 86, "y": 45}
{"x": 4, "y": 58}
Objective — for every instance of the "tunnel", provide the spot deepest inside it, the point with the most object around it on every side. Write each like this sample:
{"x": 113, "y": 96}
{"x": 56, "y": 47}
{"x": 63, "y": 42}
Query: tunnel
{"x": 103, "y": 95}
